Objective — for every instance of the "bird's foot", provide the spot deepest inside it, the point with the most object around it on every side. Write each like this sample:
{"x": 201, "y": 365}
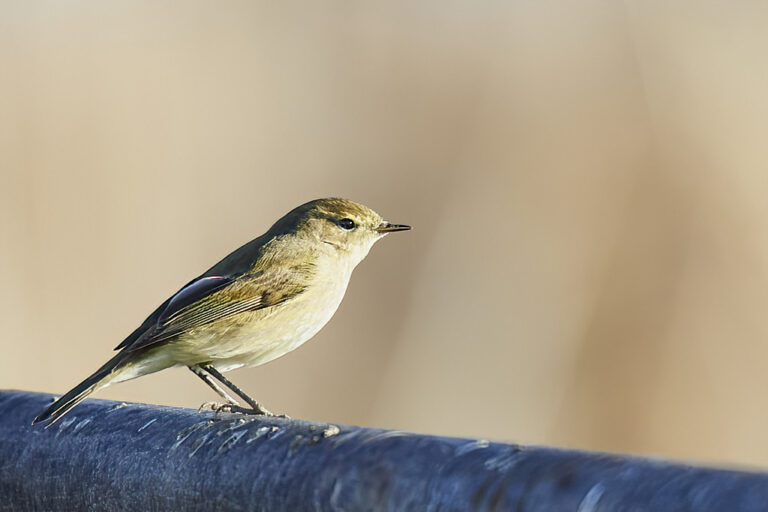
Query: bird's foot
{"x": 255, "y": 411}
{"x": 259, "y": 410}
{"x": 213, "y": 406}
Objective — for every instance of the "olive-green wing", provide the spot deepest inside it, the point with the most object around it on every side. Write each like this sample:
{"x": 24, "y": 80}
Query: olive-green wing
{"x": 208, "y": 299}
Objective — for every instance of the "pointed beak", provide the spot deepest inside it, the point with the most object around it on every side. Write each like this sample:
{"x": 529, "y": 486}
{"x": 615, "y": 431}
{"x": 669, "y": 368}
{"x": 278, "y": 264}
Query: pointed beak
{"x": 387, "y": 227}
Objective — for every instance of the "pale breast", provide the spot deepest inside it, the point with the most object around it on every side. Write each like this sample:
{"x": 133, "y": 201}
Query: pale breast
{"x": 254, "y": 338}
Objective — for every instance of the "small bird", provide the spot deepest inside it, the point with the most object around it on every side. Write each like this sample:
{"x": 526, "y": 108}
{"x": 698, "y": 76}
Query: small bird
{"x": 258, "y": 303}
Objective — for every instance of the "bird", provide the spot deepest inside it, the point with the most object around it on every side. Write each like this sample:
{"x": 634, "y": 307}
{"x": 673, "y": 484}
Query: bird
{"x": 260, "y": 302}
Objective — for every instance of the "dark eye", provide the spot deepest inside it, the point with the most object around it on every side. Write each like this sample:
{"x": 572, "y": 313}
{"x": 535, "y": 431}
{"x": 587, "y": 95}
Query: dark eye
{"x": 346, "y": 224}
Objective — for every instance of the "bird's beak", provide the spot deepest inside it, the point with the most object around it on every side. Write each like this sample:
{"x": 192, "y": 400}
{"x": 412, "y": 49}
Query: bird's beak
{"x": 387, "y": 227}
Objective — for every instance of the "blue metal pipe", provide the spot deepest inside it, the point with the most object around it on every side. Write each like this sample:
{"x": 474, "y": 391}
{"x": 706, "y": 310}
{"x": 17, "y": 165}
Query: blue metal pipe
{"x": 117, "y": 456}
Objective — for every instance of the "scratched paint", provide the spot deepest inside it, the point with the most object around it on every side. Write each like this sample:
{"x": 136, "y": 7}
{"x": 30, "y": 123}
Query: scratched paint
{"x": 144, "y": 426}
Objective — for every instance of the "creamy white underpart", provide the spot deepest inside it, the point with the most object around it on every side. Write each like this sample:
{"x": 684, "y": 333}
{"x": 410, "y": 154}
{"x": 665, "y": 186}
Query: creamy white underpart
{"x": 282, "y": 329}
{"x": 256, "y": 337}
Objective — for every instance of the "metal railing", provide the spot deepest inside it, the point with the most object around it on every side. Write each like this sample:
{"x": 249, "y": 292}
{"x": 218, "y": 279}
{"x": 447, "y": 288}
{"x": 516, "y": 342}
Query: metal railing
{"x": 117, "y": 456}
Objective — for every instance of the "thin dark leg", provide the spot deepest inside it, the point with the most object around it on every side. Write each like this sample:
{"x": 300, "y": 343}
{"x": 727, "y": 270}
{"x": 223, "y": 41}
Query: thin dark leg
{"x": 256, "y": 406}
{"x": 212, "y": 383}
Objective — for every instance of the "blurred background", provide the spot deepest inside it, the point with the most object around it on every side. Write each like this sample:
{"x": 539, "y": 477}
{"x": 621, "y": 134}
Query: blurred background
{"x": 587, "y": 182}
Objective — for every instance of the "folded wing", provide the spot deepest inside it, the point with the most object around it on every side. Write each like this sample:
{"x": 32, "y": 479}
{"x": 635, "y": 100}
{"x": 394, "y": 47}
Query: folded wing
{"x": 212, "y": 298}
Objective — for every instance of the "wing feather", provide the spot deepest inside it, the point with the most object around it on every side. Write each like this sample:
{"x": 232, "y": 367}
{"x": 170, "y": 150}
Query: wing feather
{"x": 212, "y": 298}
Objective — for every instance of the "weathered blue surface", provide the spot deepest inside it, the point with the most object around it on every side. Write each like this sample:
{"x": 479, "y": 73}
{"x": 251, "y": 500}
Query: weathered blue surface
{"x": 112, "y": 456}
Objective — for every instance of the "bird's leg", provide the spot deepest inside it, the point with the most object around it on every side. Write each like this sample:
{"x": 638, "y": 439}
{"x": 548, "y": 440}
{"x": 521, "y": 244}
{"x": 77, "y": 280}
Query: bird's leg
{"x": 256, "y": 407}
{"x": 218, "y": 389}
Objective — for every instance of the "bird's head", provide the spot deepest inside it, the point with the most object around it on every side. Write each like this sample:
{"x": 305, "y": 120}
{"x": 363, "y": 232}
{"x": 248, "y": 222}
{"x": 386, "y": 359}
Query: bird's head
{"x": 340, "y": 225}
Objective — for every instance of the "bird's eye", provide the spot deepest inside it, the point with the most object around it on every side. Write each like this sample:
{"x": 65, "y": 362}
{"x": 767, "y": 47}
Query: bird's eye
{"x": 346, "y": 224}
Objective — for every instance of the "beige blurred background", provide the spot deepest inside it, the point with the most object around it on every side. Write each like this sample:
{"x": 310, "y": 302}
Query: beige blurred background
{"x": 587, "y": 182}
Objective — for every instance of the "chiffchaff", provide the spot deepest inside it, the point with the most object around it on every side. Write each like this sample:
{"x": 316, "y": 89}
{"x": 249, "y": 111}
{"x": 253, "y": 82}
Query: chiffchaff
{"x": 260, "y": 302}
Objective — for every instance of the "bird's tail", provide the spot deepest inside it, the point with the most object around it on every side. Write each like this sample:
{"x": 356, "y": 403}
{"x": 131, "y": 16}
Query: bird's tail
{"x": 60, "y": 407}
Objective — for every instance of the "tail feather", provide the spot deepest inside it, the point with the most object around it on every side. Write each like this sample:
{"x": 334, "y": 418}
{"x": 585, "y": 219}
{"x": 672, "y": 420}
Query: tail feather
{"x": 60, "y": 407}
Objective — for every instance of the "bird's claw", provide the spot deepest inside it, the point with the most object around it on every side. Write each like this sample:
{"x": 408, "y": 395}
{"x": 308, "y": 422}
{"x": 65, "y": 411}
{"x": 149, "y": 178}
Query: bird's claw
{"x": 259, "y": 410}
{"x": 213, "y": 406}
